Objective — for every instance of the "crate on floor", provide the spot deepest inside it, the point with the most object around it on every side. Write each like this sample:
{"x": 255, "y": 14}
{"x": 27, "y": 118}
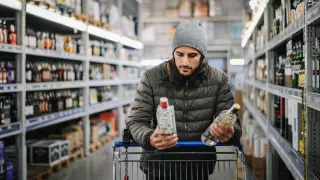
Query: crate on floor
{"x": 95, "y": 146}
{"x": 77, "y": 154}
{"x": 38, "y": 173}
{"x": 62, "y": 164}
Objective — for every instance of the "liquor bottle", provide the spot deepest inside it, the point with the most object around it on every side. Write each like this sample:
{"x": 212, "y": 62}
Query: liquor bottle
{"x": 1, "y": 32}
{"x": 45, "y": 41}
{"x": 5, "y": 33}
{"x": 10, "y": 73}
{"x": 54, "y": 42}
{"x": 277, "y": 112}
{"x": 12, "y": 35}
{"x": 282, "y": 117}
{"x": 4, "y": 73}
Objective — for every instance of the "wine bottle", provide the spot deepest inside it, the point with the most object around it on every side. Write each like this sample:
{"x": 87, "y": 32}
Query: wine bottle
{"x": 226, "y": 118}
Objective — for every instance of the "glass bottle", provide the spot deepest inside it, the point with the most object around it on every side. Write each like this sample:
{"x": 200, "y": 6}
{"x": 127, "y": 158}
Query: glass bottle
{"x": 12, "y": 35}
{"x": 5, "y": 33}
{"x": 1, "y": 32}
{"x": 226, "y": 118}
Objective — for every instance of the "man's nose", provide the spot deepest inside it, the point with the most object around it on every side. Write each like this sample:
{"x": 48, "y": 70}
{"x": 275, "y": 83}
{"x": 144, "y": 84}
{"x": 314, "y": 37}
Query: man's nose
{"x": 185, "y": 61}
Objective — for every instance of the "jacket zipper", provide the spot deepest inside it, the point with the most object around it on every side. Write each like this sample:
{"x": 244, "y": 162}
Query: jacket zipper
{"x": 185, "y": 104}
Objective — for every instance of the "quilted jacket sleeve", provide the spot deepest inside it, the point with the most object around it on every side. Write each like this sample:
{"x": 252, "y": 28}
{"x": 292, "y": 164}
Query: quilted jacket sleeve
{"x": 225, "y": 100}
{"x": 141, "y": 114}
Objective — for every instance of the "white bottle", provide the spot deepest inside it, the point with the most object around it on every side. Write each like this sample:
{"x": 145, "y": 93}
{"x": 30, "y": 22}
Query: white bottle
{"x": 166, "y": 117}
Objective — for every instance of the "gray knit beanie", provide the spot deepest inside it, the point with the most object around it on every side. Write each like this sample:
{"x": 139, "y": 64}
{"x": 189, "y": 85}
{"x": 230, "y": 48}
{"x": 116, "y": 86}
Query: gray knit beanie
{"x": 192, "y": 34}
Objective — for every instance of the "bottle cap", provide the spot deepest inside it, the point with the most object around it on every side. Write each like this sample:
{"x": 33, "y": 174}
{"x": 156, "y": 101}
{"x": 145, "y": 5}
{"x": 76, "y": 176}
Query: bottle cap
{"x": 164, "y": 102}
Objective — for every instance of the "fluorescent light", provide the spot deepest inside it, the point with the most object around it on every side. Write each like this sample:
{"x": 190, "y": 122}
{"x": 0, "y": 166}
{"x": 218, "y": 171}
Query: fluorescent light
{"x": 237, "y": 62}
{"x": 131, "y": 43}
{"x": 152, "y": 62}
{"x": 57, "y": 18}
{"x": 103, "y": 33}
{"x": 14, "y": 4}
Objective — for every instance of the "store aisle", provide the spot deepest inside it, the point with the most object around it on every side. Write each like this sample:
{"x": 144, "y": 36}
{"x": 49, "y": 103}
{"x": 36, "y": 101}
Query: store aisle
{"x": 99, "y": 167}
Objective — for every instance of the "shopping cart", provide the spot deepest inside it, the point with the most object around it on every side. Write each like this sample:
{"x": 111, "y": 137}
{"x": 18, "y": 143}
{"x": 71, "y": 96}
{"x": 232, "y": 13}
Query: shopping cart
{"x": 226, "y": 165}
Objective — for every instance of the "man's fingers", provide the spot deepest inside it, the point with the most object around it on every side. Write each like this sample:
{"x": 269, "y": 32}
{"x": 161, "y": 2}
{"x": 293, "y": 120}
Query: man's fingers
{"x": 166, "y": 144}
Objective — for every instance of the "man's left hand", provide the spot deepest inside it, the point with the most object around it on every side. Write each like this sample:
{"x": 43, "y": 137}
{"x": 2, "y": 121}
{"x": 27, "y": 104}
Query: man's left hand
{"x": 224, "y": 134}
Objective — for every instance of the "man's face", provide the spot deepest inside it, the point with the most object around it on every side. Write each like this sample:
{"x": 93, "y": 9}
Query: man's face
{"x": 187, "y": 60}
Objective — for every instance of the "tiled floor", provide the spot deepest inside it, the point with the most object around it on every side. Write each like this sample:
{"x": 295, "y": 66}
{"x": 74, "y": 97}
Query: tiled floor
{"x": 99, "y": 167}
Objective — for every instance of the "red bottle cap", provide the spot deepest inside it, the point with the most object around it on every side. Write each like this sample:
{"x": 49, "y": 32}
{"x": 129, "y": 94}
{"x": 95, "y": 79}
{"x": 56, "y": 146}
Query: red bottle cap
{"x": 164, "y": 102}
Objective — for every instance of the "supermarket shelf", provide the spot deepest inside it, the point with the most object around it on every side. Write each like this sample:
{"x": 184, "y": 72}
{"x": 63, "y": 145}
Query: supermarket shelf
{"x": 102, "y": 33}
{"x": 260, "y": 53}
{"x": 131, "y": 43}
{"x": 55, "y": 54}
{"x": 99, "y": 59}
{"x": 253, "y": 24}
{"x": 4, "y": 88}
{"x": 288, "y": 32}
{"x": 9, "y": 130}
{"x": 103, "y": 106}
{"x": 13, "y": 4}
{"x": 11, "y": 48}
{"x": 55, "y": 118}
{"x": 289, "y": 156}
{"x": 178, "y": 20}
{"x": 54, "y": 85}
{"x": 94, "y": 83}
{"x": 261, "y": 118}
{"x": 313, "y": 14}
{"x": 284, "y": 149}
{"x": 313, "y": 101}
{"x": 55, "y": 17}
{"x": 132, "y": 81}
{"x": 289, "y": 93}
{"x": 130, "y": 63}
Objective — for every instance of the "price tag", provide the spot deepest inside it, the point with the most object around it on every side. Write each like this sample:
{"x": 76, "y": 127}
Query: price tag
{"x": 70, "y": 111}
{"x": 61, "y": 114}
{"x": 46, "y": 118}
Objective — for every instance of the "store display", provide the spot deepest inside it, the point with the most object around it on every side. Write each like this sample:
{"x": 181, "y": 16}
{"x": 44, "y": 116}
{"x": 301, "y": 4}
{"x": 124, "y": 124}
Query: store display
{"x": 102, "y": 72}
{"x": 7, "y": 72}
{"x": 7, "y": 168}
{"x": 102, "y": 94}
{"x": 201, "y": 8}
{"x": 129, "y": 55}
{"x": 185, "y": 9}
{"x": 53, "y": 41}
{"x": 46, "y": 102}
{"x": 130, "y": 73}
{"x": 102, "y": 49}
{"x": 130, "y": 90}
{"x": 262, "y": 101}
{"x": 261, "y": 39}
{"x": 51, "y": 71}
{"x": 8, "y": 109}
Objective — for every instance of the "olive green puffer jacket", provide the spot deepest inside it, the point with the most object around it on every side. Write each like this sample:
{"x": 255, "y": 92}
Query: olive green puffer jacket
{"x": 197, "y": 102}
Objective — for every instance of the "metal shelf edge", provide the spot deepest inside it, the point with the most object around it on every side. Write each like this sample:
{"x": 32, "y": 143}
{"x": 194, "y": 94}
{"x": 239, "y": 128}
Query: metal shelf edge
{"x": 14, "y": 130}
{"x": 11, "y": 48}
{"x": 313, "y": 101}
{"x": 177, "y": 20}
{"x": 289, "y": 31}
{"x": 103, "y": 106}
{"x": 131, "y": 43}
{"x": 54, "y": 54}
{"x": 105, "y": 60}
{"x": 55, "y": 118}
{"x": 10, "y": 88}
{"x": 95, "y": 83}
{"x": 54, "y": 85}
{"x": 108, "y": 35}
{"x": 14, "y": 4}
{"x": 313, "y": 14}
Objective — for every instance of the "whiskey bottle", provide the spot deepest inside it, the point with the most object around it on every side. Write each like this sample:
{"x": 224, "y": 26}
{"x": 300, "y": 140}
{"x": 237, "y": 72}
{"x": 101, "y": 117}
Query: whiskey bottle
{"x": 4, "y": 73}
{"x": 1, "y": 32}
{"x": 5, "y": 33}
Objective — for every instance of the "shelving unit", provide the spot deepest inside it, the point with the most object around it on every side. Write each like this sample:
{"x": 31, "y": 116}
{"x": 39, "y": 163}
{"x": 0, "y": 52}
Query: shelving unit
{"x": 300, "y": 166}
{"x": 21, "y": 52}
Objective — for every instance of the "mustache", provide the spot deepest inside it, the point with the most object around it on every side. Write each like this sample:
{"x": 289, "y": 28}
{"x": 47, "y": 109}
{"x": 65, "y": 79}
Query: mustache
{"x": 185, "y": 67}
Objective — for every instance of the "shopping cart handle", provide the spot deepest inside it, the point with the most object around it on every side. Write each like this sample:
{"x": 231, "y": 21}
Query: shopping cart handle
{"x": 117, "y": 144}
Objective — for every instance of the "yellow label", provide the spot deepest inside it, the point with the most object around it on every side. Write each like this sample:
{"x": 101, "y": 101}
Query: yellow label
{"x": 301, "y": 80}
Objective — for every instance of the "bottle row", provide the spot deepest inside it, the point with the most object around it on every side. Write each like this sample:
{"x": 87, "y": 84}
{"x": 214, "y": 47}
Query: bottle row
{"x": 7, "y": 33}
{"x": 102, "y": 94}
{"x": 290, "y": 70}
{"x": 41, "y": 103}
{"x": 51, "y": 71}
{"x": 286, "y": 13}
{"x": 102, "y": 72}
{"x": 101, "y": 48}
{"x": 316, "y": 67}
{"x": 8, "y": 109}
{"x": 7, "y": 72}
{"x": 7, "y": 167}
{"x": 53, "y": 41}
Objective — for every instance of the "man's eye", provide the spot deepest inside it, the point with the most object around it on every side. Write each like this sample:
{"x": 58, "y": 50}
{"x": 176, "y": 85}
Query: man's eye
{"x": 192, "y": 55}
{"x": 179, "y": 54}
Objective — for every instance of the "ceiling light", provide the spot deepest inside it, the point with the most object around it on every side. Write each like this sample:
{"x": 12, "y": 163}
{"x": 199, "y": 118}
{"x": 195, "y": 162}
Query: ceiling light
{"x": 237, "y": 62}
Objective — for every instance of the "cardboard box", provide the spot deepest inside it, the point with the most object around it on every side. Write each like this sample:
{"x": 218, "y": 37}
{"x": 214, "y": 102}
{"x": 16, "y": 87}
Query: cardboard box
{"x": 67, "y": 137}
{"x": 258, "y": 163}
{"x": 9, "y": 171}
{"x": 45, "y": 153}
{"x": 65, "y": 150}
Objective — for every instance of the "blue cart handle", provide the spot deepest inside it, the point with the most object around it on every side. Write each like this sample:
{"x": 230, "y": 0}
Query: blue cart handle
{"x": 117, "y": 144}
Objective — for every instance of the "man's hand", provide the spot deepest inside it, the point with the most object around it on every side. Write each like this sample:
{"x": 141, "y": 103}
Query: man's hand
{"x": 224, "y": 134}
{"x": 162, "y": 140}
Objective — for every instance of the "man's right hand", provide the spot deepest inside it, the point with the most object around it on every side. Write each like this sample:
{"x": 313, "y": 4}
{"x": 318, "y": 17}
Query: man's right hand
{"x": 162, "y": 140}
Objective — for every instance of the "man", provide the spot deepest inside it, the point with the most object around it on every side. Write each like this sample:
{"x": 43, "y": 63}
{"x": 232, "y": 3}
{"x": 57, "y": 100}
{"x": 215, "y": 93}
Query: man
{"x": 198, "y": 93}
